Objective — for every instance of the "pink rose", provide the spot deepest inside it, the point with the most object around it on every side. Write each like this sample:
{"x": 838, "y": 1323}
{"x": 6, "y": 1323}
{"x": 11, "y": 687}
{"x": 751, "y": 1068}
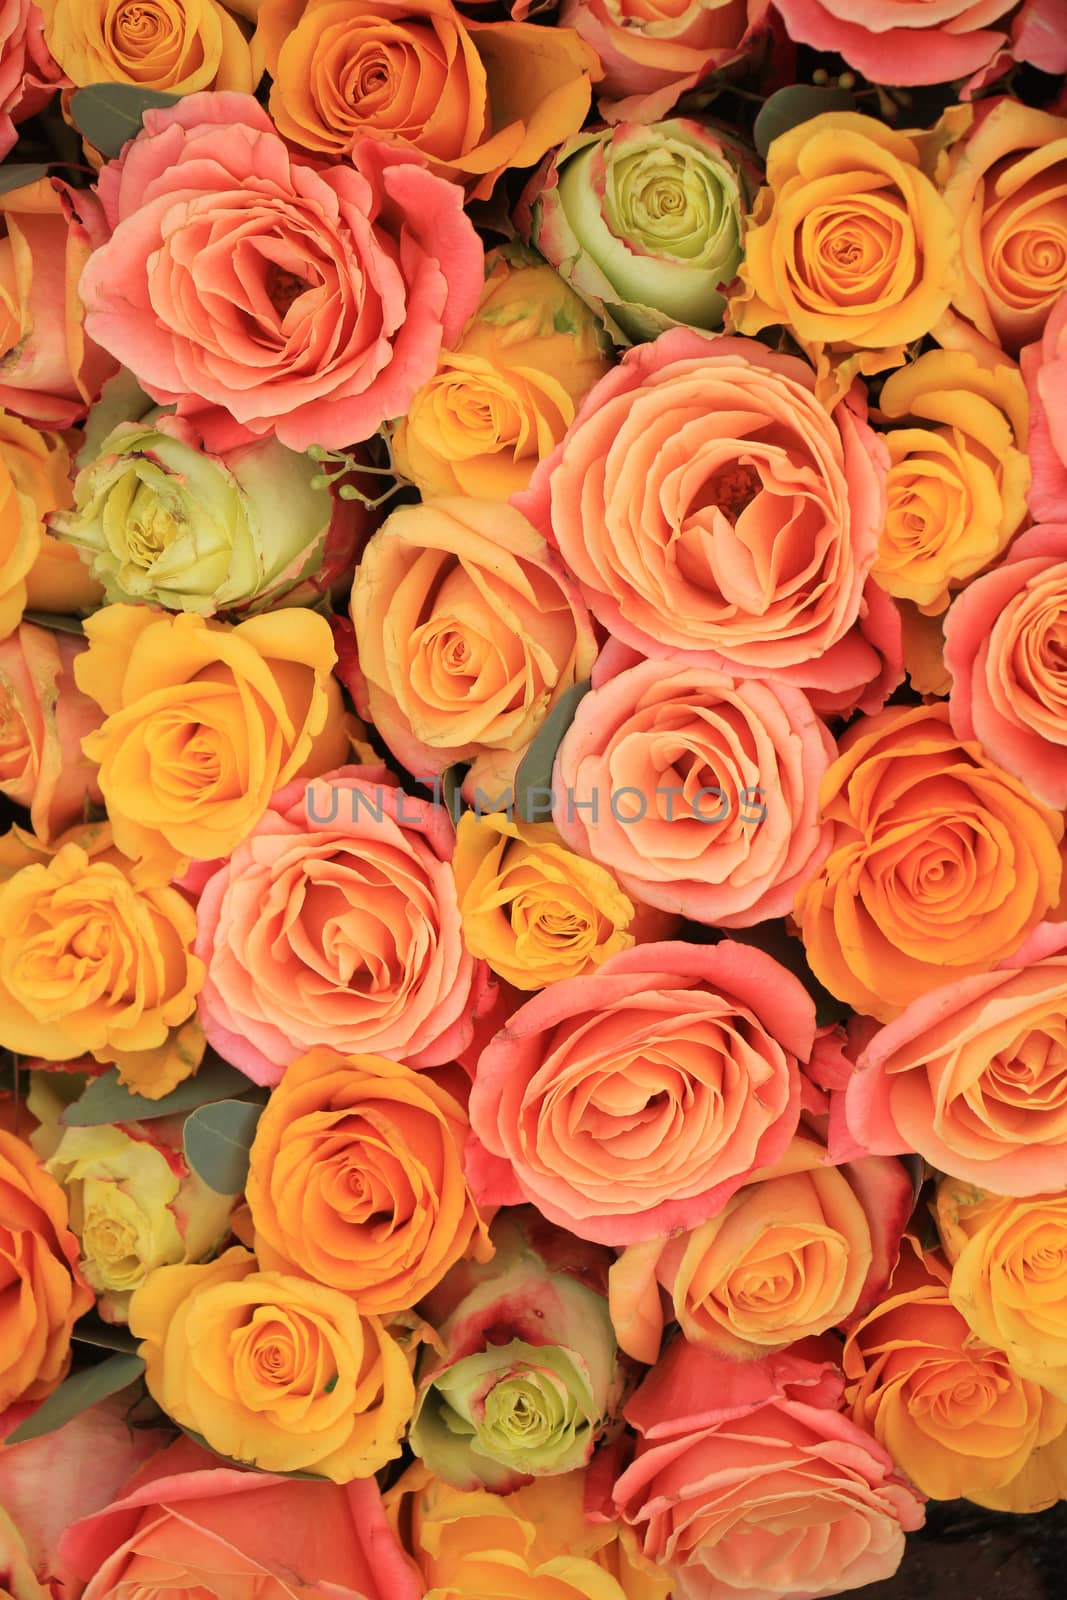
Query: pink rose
{"x": 699, "y": 791}
{"x": 901, "y": 41}
{"x": 1004, "y": 646}
{"x": 638, "y": 1099}
{"x": 706, "y": 503}
{"x": 1039, "y": 34}
{"x": 267, "y": 293}
{"x": 652, "y": 51}
{"x": 28, "y": 75}
{"x": 43, "y": 718}
{"x": 1044, "y": 366}
{"x": 748, "y": 1483}
{"x": 189, "y": 1525}
{"x": 336, "y": 922}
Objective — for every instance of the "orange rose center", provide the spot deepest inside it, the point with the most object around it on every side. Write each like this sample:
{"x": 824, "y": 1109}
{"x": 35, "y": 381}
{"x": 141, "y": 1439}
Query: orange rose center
{"x": 733, "y": 488}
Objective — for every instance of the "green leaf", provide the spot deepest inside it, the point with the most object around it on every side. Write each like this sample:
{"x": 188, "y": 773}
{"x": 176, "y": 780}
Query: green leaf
{"x": 106, "y": 1100}
{"x": 452, "y": 790}
{"x": 77, "y": 1394}
{"x": 54, "y": 621}
{"x": 109, "y": 114}
{"x": 533, "y": 780}
{"x": 21, "y": 173}
{"x": 788, "y": 108}
{"x": 114, "y": 1336}
{"x": 217, "y": 1141}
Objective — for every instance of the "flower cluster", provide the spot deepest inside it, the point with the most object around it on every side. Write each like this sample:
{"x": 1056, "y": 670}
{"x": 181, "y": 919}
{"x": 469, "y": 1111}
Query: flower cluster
{"x": 533, "y": 783}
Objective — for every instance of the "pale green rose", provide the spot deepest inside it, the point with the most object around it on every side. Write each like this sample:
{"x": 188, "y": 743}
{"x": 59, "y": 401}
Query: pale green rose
{"x": 163, "y": 522}
{"x": 644, "y": 221}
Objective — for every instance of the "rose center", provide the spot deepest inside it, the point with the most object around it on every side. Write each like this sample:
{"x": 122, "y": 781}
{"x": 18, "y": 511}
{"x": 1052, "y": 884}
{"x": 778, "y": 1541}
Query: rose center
{"x": 733, "y": 488}
{"x": 283, "y": 287}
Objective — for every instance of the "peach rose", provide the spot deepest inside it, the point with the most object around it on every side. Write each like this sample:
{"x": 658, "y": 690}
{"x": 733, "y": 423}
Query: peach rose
{"x": 1002, "y": 646}
{"x": 902, "y": 41}
{"x": 473, "y": 98}
{"x": 356, "y": 1179}
{"x": 43, "y": 717}
{"x": 51, "y": 372}
{"x": 264, "y": 1533}
{"x": 747, "y": 1481}
{"x": 39, "y": 467}
{"x": 469, "y": 632}
{"x": 45, "y": 1292}
{"x": 1044, "y": 367}
{"x": 699, "y": 791}
{"x": 357, "y": 274}
{"x": 637, "y": 1100}
{"x": 950, "y": 1410}
{"x": 652, "y": 51}
{"x": 1005, "y": 190}
{"x": 974, "y": 1075}
{"x": 179, "y": 47}
{"x": 336, "y": 922}
{"x": 28, "y": 75}
{"x": 802, "y": 1246}
{"x": 940, "y": 860}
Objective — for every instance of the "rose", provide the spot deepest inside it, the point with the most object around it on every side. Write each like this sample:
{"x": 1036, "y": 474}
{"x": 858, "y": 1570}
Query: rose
{"x": 698, "y": 790}
{"x": 748, "y": 1481}
{"x": 335, "y": 922}
{"x": 474, "y": 98}
{"x": 1007, "y": 1275}
{"x": 524, "y": 1378}
{"x": 93, "y": 962}
{"x": 43, "y": 718}
{"x": 957, "y": 490}
{"x": 264, "y": 1533}
{"x": 180, "y": 47}
{"x": 652, "y": 52}
{"x": 637, "y": 1100}
{"x": 134, "y": 1205}
{"x": 469, "y": 633}
{"x": 51, "y": 371}
{"x": 941, "y": 862}
{"x": 356, "y": 1179}
{"x": 685, "y": 467}
{"x": 46, "y": 1293}
{"x": 801, "y": 1247}
{"x": 850, "y": 246}
{"x": 1004, "y": 190}
{"x": 377, "y": 252}
{"x": 272, "y": 1369}
{"x": 532, "y": 1544}
{"x": 28, "y": 75}
{"x": 536, "y": 912}
{"x": 974, "y": 1076}
{"x": 504, "y": 398}
{"x": 20, "y": 1576}
{"x": 203, "y": 722}
{"x": 1043, "y": 367}
{"x": 162, "y": 521}
{"x": 37, "y": 571}
{"x": 904, "y": 42}
{"x": 644, "y": 222}
{"x": 949, "y": 1408}
{"x": 1002, "y": 648}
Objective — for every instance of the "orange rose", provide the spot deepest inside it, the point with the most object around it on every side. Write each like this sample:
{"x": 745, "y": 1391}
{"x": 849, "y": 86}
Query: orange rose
{"x": 474, "y": 98}
{"x": 179, "y": 46}
{"x": 43, "y": 718}
{"x": 356, "y": 1179}
{"x": 37, "y": 466}
{"x": 941, "y": 864}
{"x": 45, "y": 1293}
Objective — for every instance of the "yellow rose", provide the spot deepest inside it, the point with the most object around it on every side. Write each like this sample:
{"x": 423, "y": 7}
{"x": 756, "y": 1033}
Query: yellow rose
{"x": 1009, "y": 1274}
{"x": 503, "y": 399}
{"x": 534, "y": 1544}
{"x": 18, "y": 1579}
{"x": 180, "y": 46}
{"x": 850, "y": 246}
{"x": 204, "y": 722}
{"x": 274, "y": 1371}
{"x": 91, "y": 962}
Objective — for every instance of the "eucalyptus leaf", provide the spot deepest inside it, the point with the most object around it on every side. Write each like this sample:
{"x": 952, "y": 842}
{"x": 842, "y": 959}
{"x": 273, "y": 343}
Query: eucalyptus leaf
{"x": 106, "y": 1100}
{"x": 77, "y": 1394}
{"x": 114, "y": 1336}
{"x": 109, "y": 114}
{"x": 452, "y": 791}
{"x": 533, "y": 780}
{"x": 788, "y": 108}
{"x": 23, "y": 172}
{"x": 54, "y": 621}
{"x": 217, "y": 1140}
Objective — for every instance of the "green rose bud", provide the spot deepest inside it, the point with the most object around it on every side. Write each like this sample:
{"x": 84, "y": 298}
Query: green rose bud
{"x": 644, "y": 221}
{"x": 163, "y": 522}
{"x": 528, "y": 1378}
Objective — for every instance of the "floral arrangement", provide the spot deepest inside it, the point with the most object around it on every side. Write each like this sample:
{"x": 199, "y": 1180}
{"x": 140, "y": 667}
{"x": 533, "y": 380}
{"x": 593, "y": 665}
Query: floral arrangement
{"x": 533, "y": 737}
